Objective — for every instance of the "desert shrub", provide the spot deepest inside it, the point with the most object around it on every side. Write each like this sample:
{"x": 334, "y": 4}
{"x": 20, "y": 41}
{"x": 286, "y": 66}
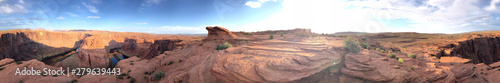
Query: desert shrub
{"x": 281, "y": 34}
{"x": 271, "y": 36}
{"x": 412, "y": 56}
{"x": 74, "y": 81}
{"x": 390, "y": 51}
{"x": 412, "y": 67}
{"x": 365, "y": 45}
{"x": 146, "y": 72}
{"x": 180, "y": 60}
{"x": 171, "y": 62}
{"x": 159, "y": 75}
{"x": 145, "y": 77}
{"x": 132, "y": 80}
{"x": 249, "y": 33}
{"x": 488, "y": 68}
{"x": 377, "y": 49}
{"x": 224, "y": 46}
{"x": 19, "y": 62}
{"x": 131, "y": 63}
{"x": 351, "y": 46}
{"x": 401, "y": 60}
{"x": 392, "y": 55}
{"x": 1, "y": 68}
{"x": 498, "y": 69}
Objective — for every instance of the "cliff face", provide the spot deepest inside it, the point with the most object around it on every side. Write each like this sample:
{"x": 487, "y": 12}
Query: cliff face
{"x": 479, "y": 50}
{"x": 19, "y": 47}
{"x": 219, "y": 33}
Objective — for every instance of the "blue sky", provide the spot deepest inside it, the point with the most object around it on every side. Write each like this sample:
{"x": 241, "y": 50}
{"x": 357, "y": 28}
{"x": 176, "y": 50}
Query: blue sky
{"x": 191, "y": 16}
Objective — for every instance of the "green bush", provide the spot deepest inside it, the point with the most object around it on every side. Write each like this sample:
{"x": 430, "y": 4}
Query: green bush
{"x": 412, "y": 67}
{"x": 412, "y": 56}
{"x": 364, "y": 38}
{"x": 365, "y": 45}
{"x": 128, "y": 77}
{"x": 390, "y": 51}
{"x": 224, "y": 46}
{"x": 180, "y": 60}
{"x": 392, "y": 55}
{"x": 131, "y": 63}
{"x": 74, "y": 81}
{"x": 351, "y": 46}
{"x": 249, "y": 33}
{"x": 146, "y": 72}
{"x": 159, "y": 75}
{"x": 171, "y": 62}
{"x": 19, "y": 62}
{"x": 401, "y": 60}
{"x": 132, "y": 80}
{"x": 271, "y": 36}
{"x": 1, "y": 68}
{"x": 498, "y": 69}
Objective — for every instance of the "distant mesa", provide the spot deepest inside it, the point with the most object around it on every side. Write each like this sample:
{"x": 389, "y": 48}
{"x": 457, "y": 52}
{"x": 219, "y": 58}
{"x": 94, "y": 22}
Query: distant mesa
{"x": 219, "y": 33}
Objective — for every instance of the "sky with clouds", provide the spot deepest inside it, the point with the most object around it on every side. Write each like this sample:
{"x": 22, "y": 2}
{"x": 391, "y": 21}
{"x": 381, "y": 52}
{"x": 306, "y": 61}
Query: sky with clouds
{"x": 192, "y": 16}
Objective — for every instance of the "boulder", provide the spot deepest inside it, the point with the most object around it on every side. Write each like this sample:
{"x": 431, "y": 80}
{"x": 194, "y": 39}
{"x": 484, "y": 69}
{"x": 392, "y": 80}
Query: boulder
{"x": 219, "y": 33}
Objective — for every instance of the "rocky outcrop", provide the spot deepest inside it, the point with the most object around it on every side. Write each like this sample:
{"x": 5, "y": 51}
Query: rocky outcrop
{"x": 219, "y": 33}
{"x": 159, "y": 47}
{"x": 479, "y": 50}
{"x": 467, "y": 75}
{"x": 93, "y": 58}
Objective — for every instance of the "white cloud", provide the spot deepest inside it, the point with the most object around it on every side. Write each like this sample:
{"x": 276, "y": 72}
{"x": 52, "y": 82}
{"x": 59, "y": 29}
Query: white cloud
{"x": 71, "y": 14}
{"x": 96, "y": 1}
{"x": 327, "y": 16}
{"x": 60, "y": 17}
{"x": 493, "y": 6}
{"x": 91, "y": 8}
{"x": 10, "y": 9}
{"x": 141, "y": 23}
{"x": 253, "y": 4}
{"x": 148, "y": 3}
{"x": 94, "y": 17}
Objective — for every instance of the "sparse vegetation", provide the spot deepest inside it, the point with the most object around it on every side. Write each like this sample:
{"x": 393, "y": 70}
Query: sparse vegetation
{"x": 19, "y": 62}
{"x": 365, "y": 45}
{"x": 132, "y": 80}
{"x": 146, "y": 72}
{"x": 390, "y": 51}
{"x": 128, "y": 77}
{"x": 131, "y": 63}
{"x": 412, "y": 67}
{"x": 159, "y": 75}
{"x": 488, "y": 68}
{"x": 74, "y": 81}
{"x": 412, "y": 56}
{"x": 351, "y": 45}
{"x": 401, "y": 60}
{"x": 364, "y": 38}
{"x": 1, "y": 68}
{"x": 392, "y": 55}
{"x": 224, "y": 46}
{"x": 171, "y": 62}
{"x": 249, "y": 33}
{"x": 271, "y": 36}
{"x": 180, "y": 60}
{"x": 281, "y": 34}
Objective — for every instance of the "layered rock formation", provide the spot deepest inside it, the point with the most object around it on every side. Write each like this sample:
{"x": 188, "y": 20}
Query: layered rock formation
{"x": 479, "y": 50}
{"x": 219, "y": 33}
{"x": 274, "y": 61}
{"x": 159, "y": 47}
{"x": 19, "y": 47}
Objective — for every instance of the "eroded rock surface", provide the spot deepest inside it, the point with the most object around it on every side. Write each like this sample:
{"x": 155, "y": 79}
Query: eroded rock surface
{"x": 274, "y": 61}
{"x": 219, "y": 33}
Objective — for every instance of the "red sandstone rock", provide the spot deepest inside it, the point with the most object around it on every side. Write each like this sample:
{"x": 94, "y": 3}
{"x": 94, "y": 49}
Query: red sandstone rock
{"x": 219, "y": 33}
